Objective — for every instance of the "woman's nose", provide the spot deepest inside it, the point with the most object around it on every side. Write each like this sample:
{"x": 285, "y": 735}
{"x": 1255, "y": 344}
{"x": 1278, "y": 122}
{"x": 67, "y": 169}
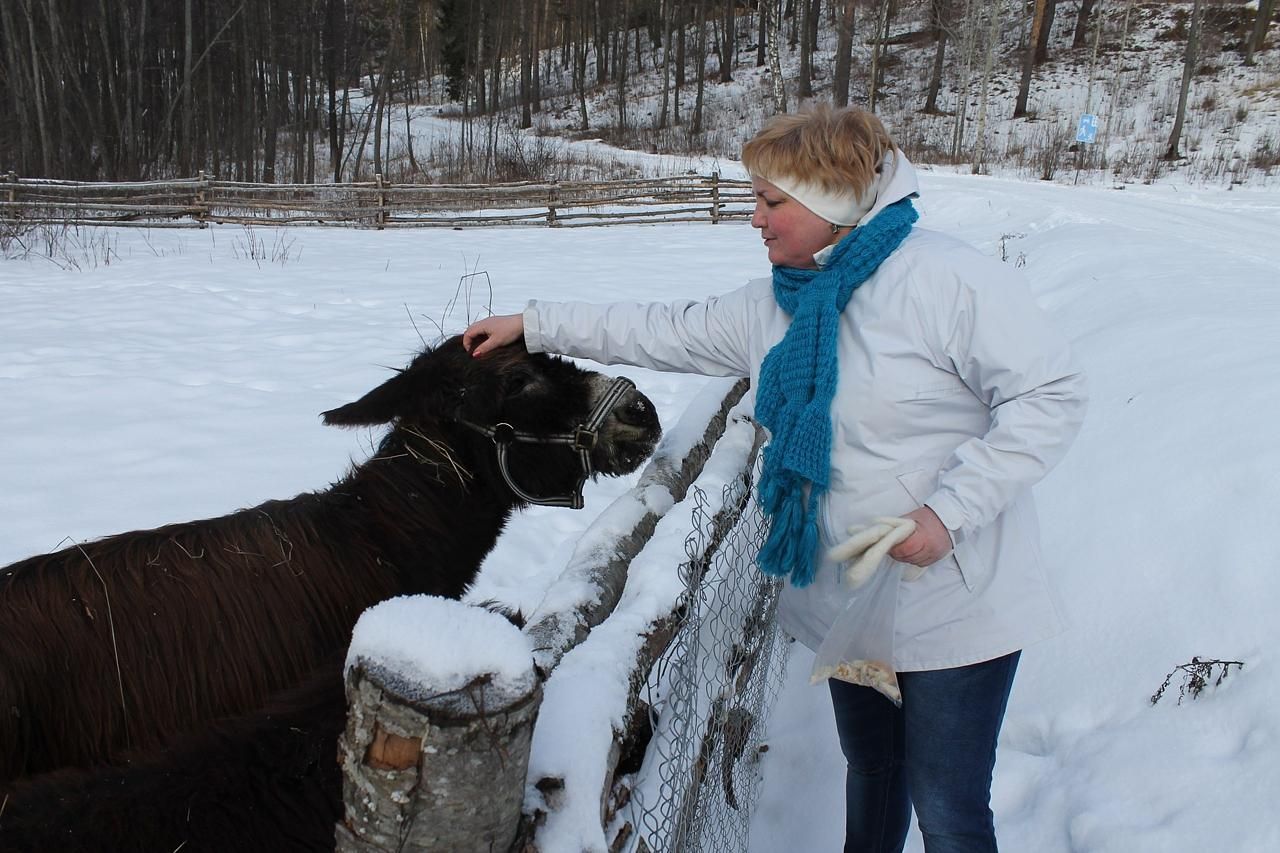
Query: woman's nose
{"x": 757, "y": 217}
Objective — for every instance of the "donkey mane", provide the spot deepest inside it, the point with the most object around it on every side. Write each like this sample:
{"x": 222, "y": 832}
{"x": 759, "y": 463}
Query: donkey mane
{"x": 117, "y": 646}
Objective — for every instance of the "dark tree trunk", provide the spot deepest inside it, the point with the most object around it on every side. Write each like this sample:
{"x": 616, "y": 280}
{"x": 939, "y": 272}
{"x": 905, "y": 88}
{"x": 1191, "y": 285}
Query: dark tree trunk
{"x": 804, "y": 86}
{"x": 727, "y": 44}
{"x": 940, "y": 23}
{"x": 844, "y": 54}
{"x": 696, "y": 129}
{"x": 763, "y": 15}
{"x": 1042, "y": 40}
{"x": 1189, "y": 59}
{"x": 1261, "y": 23}
{"x": 1082, "y": 23}
{"x": 1028, "y": 59}
{"x": 526, "y": 66}
{"x": 184, "y": 158}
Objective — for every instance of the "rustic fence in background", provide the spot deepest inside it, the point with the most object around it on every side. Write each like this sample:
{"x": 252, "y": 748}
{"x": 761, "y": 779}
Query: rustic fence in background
{"x": 196, "y": 202}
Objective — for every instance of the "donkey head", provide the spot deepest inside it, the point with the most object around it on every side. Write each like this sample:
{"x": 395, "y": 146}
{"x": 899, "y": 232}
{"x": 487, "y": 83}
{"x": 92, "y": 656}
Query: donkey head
{"x": 538, "y": 396}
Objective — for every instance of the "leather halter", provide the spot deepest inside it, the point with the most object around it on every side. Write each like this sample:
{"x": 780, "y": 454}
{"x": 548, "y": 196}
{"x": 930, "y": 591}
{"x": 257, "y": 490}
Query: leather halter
{"x": 582, "y": 439}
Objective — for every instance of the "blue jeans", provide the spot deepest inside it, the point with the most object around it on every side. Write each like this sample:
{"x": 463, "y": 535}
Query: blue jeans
{"x": 937, "y": 752}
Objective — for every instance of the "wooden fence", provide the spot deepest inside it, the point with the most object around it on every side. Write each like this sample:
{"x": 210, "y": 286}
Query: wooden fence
{"x": 195, "y": 202}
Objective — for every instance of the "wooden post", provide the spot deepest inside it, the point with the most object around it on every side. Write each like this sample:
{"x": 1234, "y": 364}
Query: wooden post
{"x": 13, "y": 186}
{"x": 202, "y": 208}
{"x": 553, "y": 196}
{"x": 434, "y": 768}
{"x": 715, "y": 198}
{"x": 381, "y": 217}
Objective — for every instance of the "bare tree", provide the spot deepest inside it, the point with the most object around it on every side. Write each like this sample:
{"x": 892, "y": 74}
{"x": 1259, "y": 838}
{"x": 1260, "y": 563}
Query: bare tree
{"x": 844, "y": 53}
{"x": 580, "y": 71}
{"x": 989, "y": 53}
{"x": 881, "y": 37}
{"x": 187, "y": 107}
{"x": 805, "y": 82}
{"x": 968, "y": 45}
{"x": 1189, "y": 59}
{"x": 528, "y": 60}
{"x": 1038, "y": 13}
{"x": 696, "y": 127}
{"x": 622, "y": 74}
{"x": 1261, "y": 23}
{"x": 666, "y": 15}
{"x": 938, "y": 15}
{"x": 762, "y": 16}
{"x": 728, "y": 45}
{"x": 775, "y": 48}
{"x": 1082, "y": 23}
{"x": 1046, "y": 27}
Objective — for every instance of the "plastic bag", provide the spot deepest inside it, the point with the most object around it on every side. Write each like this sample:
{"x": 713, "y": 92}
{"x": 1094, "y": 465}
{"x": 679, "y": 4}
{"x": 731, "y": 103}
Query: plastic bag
{"x": 859, "y": 646}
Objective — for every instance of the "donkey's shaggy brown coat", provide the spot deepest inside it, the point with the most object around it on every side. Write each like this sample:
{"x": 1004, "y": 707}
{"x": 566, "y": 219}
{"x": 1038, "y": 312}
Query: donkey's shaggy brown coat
{"x": 119, "y": 645}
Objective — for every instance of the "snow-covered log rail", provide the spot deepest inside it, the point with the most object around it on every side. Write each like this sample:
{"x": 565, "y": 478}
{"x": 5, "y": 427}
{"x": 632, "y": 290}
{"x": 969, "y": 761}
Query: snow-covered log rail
{"x": 196, "y": 202}
{"x": 595, "y": 699}
{"x": 454, "y": 760}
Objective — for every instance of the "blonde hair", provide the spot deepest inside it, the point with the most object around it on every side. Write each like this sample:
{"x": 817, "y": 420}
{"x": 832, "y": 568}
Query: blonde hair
{"x": 837, "y": 149}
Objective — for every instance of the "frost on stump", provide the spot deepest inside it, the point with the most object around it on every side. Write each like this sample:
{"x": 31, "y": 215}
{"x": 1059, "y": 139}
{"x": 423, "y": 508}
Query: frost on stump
{"x": 432, "y": 772}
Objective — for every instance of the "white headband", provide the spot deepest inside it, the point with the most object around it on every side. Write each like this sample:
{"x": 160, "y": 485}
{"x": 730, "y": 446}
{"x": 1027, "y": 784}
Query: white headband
{"x": 845, "y": 208}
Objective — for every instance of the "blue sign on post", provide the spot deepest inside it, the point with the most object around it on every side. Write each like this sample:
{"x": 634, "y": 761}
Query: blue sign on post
{"x": 1087, "y": 131}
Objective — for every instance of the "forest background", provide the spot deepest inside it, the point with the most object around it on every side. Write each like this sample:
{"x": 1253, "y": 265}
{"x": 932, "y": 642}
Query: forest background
{"x": 341, "y": 90}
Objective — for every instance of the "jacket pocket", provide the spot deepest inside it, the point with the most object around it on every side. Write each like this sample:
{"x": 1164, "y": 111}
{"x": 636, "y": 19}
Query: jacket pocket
{"x": 920, "y": 484}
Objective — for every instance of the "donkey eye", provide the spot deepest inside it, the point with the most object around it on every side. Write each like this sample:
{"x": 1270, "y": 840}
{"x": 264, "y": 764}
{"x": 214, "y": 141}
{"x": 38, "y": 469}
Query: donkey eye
{"x": 520, "y": 382}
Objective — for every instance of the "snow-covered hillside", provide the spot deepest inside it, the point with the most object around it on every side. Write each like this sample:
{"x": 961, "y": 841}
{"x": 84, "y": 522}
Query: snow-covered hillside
{"x": 1130, "y": 83}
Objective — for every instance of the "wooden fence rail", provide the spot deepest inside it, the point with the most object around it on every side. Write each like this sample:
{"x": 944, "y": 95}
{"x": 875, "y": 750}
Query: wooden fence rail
{"x": 195, "y": 202}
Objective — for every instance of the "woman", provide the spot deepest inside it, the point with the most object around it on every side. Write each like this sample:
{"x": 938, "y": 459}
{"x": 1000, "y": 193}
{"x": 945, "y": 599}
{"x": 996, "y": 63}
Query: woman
{"x": 899, "y": 372}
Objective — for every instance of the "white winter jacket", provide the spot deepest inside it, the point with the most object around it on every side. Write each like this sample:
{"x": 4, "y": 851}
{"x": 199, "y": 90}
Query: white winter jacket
{"x": 954, "y": 392}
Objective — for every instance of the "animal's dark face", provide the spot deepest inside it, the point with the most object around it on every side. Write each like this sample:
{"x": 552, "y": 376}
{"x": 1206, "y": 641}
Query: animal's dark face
{"x": 534, "y": 393}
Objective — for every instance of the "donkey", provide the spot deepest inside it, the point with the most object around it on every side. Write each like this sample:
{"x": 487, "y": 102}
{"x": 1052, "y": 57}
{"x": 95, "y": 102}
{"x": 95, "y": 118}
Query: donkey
{"x": 118, "y": 646}
{"x": 264, "y": 782}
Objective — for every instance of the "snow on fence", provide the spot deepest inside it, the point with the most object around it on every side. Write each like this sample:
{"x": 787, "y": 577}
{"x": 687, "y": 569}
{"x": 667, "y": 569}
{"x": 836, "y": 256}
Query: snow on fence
{"x": 195, "y": 202}
{"x": 631, "y": 715}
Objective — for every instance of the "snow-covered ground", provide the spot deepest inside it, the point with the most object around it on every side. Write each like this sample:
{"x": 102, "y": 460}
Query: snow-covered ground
{"x": 172, "y": 376}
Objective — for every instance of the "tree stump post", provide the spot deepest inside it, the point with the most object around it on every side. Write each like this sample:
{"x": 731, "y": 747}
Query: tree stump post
{"x": 715, "y": 198}
{"x": 201, "y": 203}
{"x": 381, "y": 217}
{"x": 434, "y": 767}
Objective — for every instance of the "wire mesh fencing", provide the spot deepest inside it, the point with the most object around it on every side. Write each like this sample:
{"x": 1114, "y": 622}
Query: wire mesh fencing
{"x": 710, "y": 694}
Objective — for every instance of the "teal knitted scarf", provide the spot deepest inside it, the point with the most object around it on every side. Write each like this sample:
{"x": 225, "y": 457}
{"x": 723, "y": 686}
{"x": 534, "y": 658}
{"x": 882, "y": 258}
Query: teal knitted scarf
{"x": 798, "y": 383}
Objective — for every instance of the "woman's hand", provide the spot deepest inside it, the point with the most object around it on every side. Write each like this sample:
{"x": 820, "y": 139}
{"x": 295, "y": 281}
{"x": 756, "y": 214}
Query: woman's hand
{"x": 928, "y": 544}
{"x": 484, "y": 336}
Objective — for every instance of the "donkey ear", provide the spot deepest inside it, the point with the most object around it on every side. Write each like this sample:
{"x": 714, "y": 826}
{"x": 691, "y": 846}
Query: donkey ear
{"x": 380, "y": 406}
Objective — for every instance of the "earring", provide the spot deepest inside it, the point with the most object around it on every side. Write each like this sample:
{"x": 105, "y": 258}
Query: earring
{"x": 835, "y": 229}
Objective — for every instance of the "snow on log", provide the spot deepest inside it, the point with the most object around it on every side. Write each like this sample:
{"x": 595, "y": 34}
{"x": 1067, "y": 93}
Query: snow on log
{"x": 442, "y": 697}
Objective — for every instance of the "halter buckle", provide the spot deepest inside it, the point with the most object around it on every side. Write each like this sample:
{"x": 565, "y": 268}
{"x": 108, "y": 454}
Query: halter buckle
{"x": 584, "y": 439}
{"x": 503, "y": 433}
